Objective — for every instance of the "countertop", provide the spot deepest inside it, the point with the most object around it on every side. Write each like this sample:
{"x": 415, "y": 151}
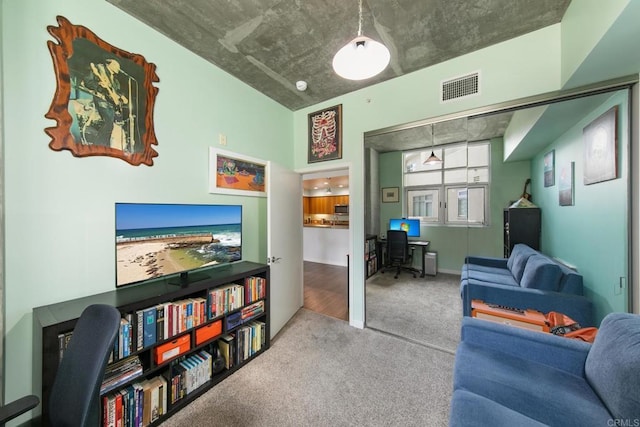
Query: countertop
{"x": 342, "y": 227}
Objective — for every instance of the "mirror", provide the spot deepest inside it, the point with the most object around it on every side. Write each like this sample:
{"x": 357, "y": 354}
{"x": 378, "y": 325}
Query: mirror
{"x": 584, "y": 225}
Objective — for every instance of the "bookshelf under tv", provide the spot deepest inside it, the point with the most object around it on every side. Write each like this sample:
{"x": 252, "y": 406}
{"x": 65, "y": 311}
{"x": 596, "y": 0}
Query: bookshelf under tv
{"x": 52, "y": 323}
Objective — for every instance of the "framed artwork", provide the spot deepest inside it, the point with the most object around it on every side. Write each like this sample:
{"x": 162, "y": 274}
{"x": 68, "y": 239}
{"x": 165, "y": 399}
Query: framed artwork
{"x": 325, "y": 134}
{"x": 549, "y": 169}
{"x": 565, "y": 184}
{"x": 103, "y": 104}
{"x": 601, "y": 148}
{"x": 232, "y": 173}
{"x": 390, "y": 195}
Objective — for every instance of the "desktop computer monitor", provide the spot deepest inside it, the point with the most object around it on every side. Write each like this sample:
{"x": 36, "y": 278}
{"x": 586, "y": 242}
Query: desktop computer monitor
{"x": 411, "y": 226}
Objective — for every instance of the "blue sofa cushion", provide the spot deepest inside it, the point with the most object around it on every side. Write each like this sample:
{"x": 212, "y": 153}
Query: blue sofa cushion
{"x": 613, "y": 366}
{"x": 469, "y": 409}
{"x": 518, "y": 260}
{"x": 544, "y": 393}
{"x": 540, "y": 273}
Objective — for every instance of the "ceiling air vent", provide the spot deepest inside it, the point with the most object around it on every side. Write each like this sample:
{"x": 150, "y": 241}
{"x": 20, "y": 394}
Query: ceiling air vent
{"x": 460, "y": 87}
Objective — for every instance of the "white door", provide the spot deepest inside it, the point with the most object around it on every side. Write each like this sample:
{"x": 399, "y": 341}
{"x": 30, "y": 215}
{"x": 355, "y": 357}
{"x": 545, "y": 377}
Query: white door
{"x": 284, "y": 243}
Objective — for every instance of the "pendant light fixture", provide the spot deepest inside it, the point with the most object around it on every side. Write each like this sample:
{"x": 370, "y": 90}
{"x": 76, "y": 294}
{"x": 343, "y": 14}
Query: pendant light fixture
{"x": 432, "y": 159}
{"x": 362, "y": 57}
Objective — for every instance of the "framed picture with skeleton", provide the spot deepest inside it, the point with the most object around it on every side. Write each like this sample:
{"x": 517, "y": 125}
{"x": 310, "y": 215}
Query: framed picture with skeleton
{"x": 103, "y": 105}
{"x": 325, "y": 134}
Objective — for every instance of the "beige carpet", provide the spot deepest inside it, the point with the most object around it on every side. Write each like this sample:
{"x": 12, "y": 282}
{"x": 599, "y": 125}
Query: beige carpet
{"x": 320, "y": 371}
{"x": 427, "y": 310}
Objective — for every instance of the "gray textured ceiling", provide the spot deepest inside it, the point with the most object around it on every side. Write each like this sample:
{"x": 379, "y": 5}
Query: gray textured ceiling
{"x": 271, "y": 44}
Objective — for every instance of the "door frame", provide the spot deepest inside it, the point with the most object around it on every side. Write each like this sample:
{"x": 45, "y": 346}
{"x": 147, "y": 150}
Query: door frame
{"x": 348, "y": 167}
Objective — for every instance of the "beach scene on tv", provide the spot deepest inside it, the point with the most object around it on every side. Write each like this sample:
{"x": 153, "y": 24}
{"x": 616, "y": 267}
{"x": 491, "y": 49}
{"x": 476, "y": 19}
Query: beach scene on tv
{"x": 154, "y": 240}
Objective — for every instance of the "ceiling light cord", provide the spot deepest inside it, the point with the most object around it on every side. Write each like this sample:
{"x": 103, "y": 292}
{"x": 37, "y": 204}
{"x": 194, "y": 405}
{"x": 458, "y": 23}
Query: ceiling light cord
{"x": 360, "y": 18}
{"x": 432, "y": 159}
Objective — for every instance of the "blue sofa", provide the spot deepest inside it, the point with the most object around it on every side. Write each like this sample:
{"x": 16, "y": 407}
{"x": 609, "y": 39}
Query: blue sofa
{"x": 527, "y": 279}
{"x": 508, "y": 376}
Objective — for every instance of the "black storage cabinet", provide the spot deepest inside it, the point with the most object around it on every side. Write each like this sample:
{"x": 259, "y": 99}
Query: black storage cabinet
{"x": 521, "y": 225}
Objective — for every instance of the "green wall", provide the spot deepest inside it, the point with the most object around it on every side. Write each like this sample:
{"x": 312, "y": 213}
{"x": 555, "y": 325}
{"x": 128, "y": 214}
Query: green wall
{"x": 514, "y": 69}
{"x": 592, "y": 235}
{"x": 453, "y": 243}
{"x": 60, "y": 209}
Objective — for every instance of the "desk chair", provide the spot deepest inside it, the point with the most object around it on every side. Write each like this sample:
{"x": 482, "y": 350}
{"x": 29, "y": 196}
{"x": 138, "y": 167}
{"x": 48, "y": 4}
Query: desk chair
{"x": 75, "y": 395}
{"x": 399, "y": 254}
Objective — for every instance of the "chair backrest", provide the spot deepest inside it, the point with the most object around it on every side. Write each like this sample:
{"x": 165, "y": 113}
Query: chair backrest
{"x": 75, "y": 395}
{"x": 397, "y": 245}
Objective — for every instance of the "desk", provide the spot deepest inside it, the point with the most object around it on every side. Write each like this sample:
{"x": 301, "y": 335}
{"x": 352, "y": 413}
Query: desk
{"x": 412, "y": 243}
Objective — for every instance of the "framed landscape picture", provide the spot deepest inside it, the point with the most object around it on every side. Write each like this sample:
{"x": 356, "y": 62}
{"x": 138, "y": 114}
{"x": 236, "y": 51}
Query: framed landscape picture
{"x": 325, "y": 135}
{"x": 232, "y": 173}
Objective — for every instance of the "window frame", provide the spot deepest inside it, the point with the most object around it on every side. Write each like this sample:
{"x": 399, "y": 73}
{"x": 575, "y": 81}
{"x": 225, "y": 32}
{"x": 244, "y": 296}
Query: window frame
{"x": 442, "y": 189}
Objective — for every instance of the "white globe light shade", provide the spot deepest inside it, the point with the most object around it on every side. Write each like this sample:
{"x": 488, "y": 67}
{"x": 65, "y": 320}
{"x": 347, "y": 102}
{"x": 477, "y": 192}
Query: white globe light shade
{"x": 361, "y": 59}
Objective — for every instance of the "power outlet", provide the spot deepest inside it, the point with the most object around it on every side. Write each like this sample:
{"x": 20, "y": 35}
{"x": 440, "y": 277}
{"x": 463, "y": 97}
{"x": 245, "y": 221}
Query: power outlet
{"x": 223, "y": 139}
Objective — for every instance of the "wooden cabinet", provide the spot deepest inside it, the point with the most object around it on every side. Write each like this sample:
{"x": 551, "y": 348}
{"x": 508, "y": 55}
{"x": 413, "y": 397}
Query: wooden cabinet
{"x": 306, "y": 205}
{"x": 323, "y": 205}
{"x": 220, "y": 326}
{"x": 521, "y": 225}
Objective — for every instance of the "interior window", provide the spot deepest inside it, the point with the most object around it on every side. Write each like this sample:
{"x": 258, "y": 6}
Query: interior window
{"x": 462, "y": 177}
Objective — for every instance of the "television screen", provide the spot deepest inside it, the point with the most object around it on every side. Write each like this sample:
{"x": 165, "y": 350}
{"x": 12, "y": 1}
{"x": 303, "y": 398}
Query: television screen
{"x": 411, "y": 226}
{"x": 157, "y": 240}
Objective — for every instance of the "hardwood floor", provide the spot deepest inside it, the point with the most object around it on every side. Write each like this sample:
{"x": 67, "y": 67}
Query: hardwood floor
{"x": 326, "y": 290}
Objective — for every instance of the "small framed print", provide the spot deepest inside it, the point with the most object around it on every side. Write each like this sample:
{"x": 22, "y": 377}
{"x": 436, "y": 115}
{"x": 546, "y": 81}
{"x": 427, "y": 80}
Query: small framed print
{"x": 565, "y": 185}
{"x": 601, "y": 148}
{"x": 550, "y": 169}
{"x": 390, "y": 195}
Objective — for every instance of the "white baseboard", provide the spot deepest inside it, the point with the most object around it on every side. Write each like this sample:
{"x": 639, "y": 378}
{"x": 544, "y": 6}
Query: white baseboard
{"x": 357, "y": 324}
{"x": 325, "y": 261}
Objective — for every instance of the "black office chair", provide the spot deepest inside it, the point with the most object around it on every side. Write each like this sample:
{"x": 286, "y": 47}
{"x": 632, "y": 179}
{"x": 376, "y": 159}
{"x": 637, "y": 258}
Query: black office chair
{"x": 399, "y": 254}
{"x": 75, "y": 395}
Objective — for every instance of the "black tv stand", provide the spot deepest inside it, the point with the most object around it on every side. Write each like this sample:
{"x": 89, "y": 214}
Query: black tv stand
{"x": 186, "y": 278}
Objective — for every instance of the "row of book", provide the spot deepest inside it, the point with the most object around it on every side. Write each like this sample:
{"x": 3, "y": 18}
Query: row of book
{"x": 189, "y": 374}
{"x": 255, "y": 288}
{"x": 168, "y": 319}
{"x": 242, "y": 344}
{"x": 225, "y": 299}
{"x": 137, "y": 405}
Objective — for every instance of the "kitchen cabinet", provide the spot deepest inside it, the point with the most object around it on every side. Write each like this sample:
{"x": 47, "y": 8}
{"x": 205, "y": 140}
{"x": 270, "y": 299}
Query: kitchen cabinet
{"x": 322, "y": 205}
{"x": 306, "y": 205}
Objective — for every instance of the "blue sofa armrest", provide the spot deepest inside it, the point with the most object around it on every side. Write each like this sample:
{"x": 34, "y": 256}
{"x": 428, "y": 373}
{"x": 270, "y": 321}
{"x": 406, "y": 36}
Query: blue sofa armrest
{"x": 551, "y": 350}
{"x": 577, "y": 307}
{"x": 486, "y": 261}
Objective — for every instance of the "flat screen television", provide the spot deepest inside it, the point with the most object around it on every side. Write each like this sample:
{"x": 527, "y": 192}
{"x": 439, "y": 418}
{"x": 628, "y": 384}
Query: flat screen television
{"x": 155, "y": 240}
{"x": 411, "y": 226}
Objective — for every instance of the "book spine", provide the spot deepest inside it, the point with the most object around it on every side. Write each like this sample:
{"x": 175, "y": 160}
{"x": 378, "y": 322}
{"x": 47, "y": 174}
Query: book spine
{"x": 149, "y": 328}
{"x": 139, "y": 330}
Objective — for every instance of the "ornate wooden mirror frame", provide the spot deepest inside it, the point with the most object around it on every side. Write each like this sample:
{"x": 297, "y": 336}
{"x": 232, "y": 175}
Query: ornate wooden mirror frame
{"x": 104, "y": 100}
